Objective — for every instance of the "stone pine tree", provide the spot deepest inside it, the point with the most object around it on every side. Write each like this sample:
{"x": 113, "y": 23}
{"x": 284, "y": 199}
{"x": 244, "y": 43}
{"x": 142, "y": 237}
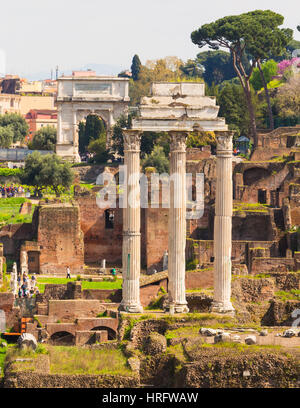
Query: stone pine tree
{"x": 135, "y": 67}
{"x": 256, "y": 33}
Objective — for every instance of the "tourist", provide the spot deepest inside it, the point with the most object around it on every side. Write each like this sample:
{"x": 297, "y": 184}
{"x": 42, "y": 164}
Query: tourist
{"x": 68, "y": 273}
{"x": 113, "y": 272}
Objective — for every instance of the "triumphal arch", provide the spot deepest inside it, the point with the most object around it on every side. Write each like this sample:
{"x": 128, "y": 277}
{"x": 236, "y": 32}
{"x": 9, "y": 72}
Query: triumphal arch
{"x": 178, "y": 108}
{"x": 77, "y": 97}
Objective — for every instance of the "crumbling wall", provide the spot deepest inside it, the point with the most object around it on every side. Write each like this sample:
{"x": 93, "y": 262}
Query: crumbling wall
{"x": 60, "y": 238}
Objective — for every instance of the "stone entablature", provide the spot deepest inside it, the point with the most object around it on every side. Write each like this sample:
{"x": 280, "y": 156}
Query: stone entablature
{"x": 179, "y": 106}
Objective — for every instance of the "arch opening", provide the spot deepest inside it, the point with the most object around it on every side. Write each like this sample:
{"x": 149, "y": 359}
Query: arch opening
{"x": 62, "y": 338}
{"x": 111, "y": 334}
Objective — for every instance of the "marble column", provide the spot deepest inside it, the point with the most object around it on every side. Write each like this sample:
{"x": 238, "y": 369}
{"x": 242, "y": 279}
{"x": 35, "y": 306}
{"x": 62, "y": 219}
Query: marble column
{"x": 76, "y": 156}
{"x": 223, "y": 225}
{"x": 177, "y": 223}
{"x": 131, "y": 251}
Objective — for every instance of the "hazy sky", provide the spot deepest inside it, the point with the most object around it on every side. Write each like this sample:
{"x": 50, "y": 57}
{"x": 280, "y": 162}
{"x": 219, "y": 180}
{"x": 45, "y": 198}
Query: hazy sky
{"x": 37, "y": 35}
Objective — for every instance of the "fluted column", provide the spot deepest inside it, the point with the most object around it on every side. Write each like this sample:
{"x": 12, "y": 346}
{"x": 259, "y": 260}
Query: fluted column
{"x": 177, "y": 223}
{"x": 223, "y": 225}
{"x": 131, "y": 251}
{"x": 75, "y": 137}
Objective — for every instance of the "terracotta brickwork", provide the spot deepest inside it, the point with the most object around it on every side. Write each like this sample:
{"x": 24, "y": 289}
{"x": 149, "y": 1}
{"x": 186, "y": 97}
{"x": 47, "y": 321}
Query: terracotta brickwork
{"x": 60, "y": 239}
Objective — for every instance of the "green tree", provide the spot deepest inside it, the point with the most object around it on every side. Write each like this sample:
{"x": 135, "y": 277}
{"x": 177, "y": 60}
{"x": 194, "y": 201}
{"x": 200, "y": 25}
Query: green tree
{"x": 98, "y": 149}
{"x": 91, "y": 130}
{"x": 17, "y": 123}
{"x": 198, "y": 139}
{"x": 117, "y": 134}
{"x": 156, "y": 159}
{"x": 269, "y": 70}
{"x": 6, "y": 136}
{"x": 42, "y": 171}
{"x": 256, "y": 33}
{"x": 233, "y": 108}
{"x": 135, "y": 67}
{"x": 192, "y": 69}
{"x": 44, "y": 139}
{"x": 261, "y": 76}
{"x": 217, "y": 65}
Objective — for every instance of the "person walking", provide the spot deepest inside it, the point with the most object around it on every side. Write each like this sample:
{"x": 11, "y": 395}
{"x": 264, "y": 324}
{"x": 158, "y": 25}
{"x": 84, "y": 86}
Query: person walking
{"x": 68, "y": 273}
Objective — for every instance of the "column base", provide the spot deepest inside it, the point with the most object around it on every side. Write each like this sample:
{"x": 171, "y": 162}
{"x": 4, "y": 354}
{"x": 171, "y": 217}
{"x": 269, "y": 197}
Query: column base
{"x": 131, "y": 308}
{"x": 221, "y": 307}
{"x": 178, "y": 308}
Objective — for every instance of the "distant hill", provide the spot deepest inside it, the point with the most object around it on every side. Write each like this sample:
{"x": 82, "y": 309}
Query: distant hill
{"x": 101, "y": 69}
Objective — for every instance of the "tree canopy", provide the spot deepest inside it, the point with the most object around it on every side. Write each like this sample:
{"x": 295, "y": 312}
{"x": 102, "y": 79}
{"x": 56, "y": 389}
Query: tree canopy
{"x": 17, "y": 123}
{"x": 269, "y": 69}
{"x": 6, "y": 136}
{"x": 135, "y": 67}
{"x": 256, "y": 33}
{"x": 156, "y": 159}
{"x": 217, "y": 65}
{"x": 44, "y": 139}
{"x": 42, "y": 171}
{"x": 92, "y": 129}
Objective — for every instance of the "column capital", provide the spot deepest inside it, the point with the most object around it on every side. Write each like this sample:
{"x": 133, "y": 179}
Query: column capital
{"x": 132, "y": 140}
{"x": 178, "y": 140}
{"x": 224, "y": 143}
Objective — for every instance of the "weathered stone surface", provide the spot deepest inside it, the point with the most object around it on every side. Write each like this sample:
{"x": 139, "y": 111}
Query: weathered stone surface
{"x": 280, "y": 313}
{"x": 27, "y": 340}
{"x": 155, "y": 344}
{"x": 236, "y": 339}
{"x": 222, "y": 338}
{"x": 250, "y": 340}
{"x": 134, "y": 364}
{"x": 207, "y": 332}
{"x": 289, "y": 333}
{"x": 144, "y": 328}
{"x": 199, "y": 302}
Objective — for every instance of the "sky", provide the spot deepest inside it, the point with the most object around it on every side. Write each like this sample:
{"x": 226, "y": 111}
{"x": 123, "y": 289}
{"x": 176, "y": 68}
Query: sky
{"x": 36, "y": 36}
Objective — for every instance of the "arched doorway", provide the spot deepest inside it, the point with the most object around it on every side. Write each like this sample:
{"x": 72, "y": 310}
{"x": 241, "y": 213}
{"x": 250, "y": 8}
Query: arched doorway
{"x": 111, "y": 334}
{"x": 62, "y": 338}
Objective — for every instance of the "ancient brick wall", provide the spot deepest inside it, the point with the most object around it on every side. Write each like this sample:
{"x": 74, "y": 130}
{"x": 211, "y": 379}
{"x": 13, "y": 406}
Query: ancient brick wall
{"x": 68, "y": 310}
{"x": 156, "y": 237}
{"x": 265, "y": 265}
{"x": 100, "y": 242}
{"x": 199, "y": 279}
{"x": 13, "y": 235}
{"x": 60, "y": 239}
{"x": 12, "y": 314}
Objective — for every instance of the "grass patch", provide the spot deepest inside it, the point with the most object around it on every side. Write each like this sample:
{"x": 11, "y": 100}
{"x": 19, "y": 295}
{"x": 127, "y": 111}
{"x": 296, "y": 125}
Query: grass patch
{"x": 178, "y": 352}
{"x": 75, "y": 360}
{"x": 293, "y": 294}
{"x": 106, "y": 285}
{"x": 250, "y": 207}
{"x": 241, "y": 347}
{"x": 187, "y": 331}
{"x": 9, "y": 211}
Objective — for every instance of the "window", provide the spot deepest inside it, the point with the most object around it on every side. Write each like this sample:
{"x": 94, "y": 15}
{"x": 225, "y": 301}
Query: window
{"x": 109, "y": 219}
